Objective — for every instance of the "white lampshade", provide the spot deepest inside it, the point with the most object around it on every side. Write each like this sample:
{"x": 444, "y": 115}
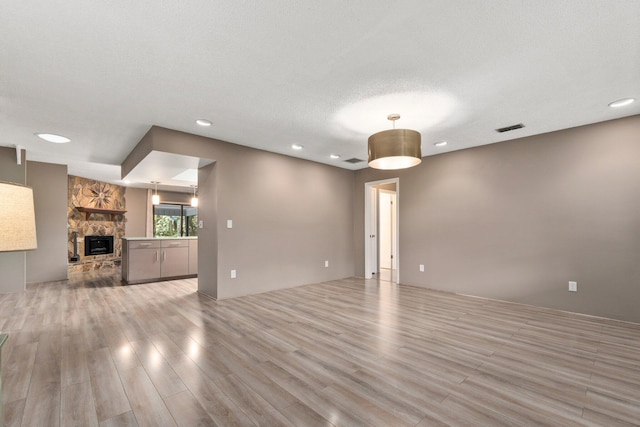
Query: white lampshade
{"x": 17, "y": 218}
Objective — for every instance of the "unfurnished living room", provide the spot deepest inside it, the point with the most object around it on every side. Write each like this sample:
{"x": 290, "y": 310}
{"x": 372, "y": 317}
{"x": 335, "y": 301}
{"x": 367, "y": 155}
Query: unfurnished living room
{"x": 296, "y": 213}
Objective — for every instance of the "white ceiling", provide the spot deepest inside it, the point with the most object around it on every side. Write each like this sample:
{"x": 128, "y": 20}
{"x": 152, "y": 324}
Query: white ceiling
{"x": 322, "y": 74}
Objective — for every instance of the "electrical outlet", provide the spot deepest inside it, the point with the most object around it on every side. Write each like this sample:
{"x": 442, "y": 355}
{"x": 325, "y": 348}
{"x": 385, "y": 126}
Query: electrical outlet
{"x": 421, "y": 268}
{"x": 233, "y": 274}
{"x": 326, "y": 263}
{"x": 573, "y": 286}
{"x": 200, "y": 224}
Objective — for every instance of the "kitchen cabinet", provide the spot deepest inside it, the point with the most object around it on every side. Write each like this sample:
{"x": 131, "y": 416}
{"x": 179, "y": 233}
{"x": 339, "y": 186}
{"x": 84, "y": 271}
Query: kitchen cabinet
{"x": 174, "y": 258}
{"x": 149, "y": 260}
{"x": 142, "y": 261}
{"x": 193, "y": 256}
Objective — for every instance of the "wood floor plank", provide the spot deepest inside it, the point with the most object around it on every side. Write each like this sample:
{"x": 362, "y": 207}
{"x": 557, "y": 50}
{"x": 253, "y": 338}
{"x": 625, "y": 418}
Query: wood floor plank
{"x": 125, "y": 357}
{"x": 123, "y": 420}
{"x": 74, "y": 365}
{"x": 316, "y": 400}
{"x": 368, "y": 409}
{"x": 187, "y": 411}
{"x": 77, "y": 406}
{"x": 205, "y": 390}
{"x": 160, "y": 372}
{"x": 17, "y": 368}
{"x": 148, "y": 407}
{"x": 108, "y": 392}
{"x": 616, "y": 406}
{"x": 43, "y": 406}
{"x": 301, "y": 415}
{"x": 12, "y": 413}
{"x": 600, "y": 419}
{"x": 467, "y": 412}
{"x": 254, "y": 406}
{"x": 519, "y": 404}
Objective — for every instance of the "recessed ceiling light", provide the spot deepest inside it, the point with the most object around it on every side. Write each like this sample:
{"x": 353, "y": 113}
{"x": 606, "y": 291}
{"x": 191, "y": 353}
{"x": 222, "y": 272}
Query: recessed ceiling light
{"x": 203, "y": 122}
{"x": 58, "y": 139}
{"x": 297, "y": 147}
{"x": 440, "y": 144}
{"x": 335, "y": 156}
{"x": 621, "y": 102}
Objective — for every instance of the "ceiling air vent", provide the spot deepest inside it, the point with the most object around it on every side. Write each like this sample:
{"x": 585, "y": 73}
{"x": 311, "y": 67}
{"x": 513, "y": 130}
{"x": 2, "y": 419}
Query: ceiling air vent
{"x": 510, "y": 128}
{"x": 354, "y": 160}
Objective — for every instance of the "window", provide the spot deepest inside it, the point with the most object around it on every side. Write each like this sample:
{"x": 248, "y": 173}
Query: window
{"x": 172, "y": 220}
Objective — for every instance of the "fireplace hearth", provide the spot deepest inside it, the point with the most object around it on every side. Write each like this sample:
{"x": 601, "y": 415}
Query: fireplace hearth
{"x": 98, "y": 245}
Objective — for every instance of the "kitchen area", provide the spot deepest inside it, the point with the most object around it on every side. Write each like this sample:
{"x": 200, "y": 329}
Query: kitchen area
{"x": 147, "y": 235}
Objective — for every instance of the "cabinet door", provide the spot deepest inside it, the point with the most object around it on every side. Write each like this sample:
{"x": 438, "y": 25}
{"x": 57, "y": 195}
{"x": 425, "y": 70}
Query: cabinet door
{"x": 193, "y": 257}
{"x": 144, "y": 264}
{"x": 175, "y": 261}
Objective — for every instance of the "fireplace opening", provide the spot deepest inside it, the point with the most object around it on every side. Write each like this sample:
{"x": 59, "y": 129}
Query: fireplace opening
{"x": 98, "y": 245}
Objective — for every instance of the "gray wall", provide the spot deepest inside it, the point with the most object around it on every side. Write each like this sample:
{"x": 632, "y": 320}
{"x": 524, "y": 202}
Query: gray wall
{"x": 49, "y": 183}
{"x": 208, "y": 235}
{"x": 12, "y": 264}
{"x": 289, "y": 215}
{"x": 136, "y": 206}
{"x": 517, "y": 220}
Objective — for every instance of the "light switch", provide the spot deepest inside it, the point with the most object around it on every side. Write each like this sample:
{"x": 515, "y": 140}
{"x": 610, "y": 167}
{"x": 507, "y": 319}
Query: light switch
{"x": 233, "y": 274}
{"x": 200, "y": 224}
{"x": 422, "y": 268}
{"x": 229, "y": 223}
{"x": 326, "y": 263}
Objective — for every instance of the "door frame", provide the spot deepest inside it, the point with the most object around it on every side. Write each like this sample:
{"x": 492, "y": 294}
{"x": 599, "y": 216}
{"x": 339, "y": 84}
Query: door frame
{"x": 372, "y": 229}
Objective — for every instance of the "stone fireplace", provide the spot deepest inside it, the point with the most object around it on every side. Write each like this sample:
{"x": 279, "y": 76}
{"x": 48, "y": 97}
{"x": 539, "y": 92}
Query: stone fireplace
{"x": 98, "y": 234}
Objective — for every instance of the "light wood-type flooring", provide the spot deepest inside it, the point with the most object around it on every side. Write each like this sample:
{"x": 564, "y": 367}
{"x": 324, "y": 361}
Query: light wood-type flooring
{"x": 90, "y": 352}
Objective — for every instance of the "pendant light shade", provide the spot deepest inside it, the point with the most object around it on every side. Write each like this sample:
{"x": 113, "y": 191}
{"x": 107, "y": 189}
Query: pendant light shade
{"x": 155, "y": 199}
{"x": 194, "y": 199}
{"x": 395, "y": 148}
{"x": 17, "y": 218}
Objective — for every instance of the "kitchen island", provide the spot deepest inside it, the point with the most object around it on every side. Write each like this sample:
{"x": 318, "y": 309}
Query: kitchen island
{"x": 147, "y": 259}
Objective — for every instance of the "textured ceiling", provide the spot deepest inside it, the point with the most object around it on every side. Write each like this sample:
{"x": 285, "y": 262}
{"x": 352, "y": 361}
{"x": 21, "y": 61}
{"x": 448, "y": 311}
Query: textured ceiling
{"x": 321, "y": 74}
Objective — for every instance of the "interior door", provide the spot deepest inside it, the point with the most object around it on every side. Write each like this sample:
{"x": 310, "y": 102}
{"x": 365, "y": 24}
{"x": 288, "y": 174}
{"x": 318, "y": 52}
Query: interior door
{"x": 393, "y": 231}
{"x": 373, "y": 232}
{"x": 385, "y": 231}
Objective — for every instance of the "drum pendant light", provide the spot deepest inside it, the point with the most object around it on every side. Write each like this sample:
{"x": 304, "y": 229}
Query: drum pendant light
{"x": 395, "y": 148}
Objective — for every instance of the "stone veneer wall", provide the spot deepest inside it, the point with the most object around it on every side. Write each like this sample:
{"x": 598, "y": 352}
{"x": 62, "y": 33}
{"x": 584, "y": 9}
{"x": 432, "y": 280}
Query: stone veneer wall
{"x": 95, "y": 194}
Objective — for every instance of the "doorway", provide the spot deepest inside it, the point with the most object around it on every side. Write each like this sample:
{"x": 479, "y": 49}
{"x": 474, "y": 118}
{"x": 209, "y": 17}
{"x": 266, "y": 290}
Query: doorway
{"x": 386, "y": 232}
{"x": 382, "y": 230}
